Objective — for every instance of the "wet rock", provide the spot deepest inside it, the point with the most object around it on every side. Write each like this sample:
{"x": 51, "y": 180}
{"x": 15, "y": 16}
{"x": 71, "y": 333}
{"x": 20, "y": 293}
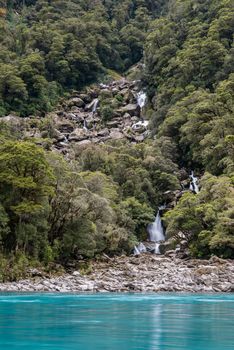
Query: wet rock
{"x": 91, "y": 105}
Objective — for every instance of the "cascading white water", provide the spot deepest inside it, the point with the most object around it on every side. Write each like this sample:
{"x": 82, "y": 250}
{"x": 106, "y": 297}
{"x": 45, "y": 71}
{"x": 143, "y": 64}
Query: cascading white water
{"x": 155, "y": 230}
{"x": 141, "y": 99}
{"x": 85, "y": 126}
{"x": 194, "y": 183}
{"x": 140, "y": 124}
{"x": 65, "y": 139}
{"x": 141, "y": 248}
{"x": 95, "y": 104}
{"x": 157, "y": 249}
{"x": 136, "y": 251}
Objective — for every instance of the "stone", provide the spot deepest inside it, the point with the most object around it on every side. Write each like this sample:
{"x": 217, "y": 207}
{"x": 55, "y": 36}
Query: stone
{"x": 84, "y": 143}
{"x": 116, "y": 134}
{"x": 113, "y": 123}
{"x": 65, "y": 126}
{"x": 139, "y": 138}
{"x": 12, "y": 119}
{"x": 86, "y": 98}
{"x": 103, "y": 132}
{"x": 76, "y": 101}
{"x": 146, "y": 273}
{"x": 132, "y": 109}
{"x": 76, "y": 273}
{"x": 58, "y": 135}
{"x": 78, "y": 135}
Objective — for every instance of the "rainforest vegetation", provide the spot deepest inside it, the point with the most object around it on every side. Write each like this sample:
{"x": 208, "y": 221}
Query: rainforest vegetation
{"x": 52, "y": 210}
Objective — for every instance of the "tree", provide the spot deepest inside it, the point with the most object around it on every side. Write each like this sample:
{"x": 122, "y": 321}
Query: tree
{"x": 26, "y": 183}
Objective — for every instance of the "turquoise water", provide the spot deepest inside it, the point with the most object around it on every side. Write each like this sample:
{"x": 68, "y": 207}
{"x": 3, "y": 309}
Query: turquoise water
{"x": 116, "y": 321}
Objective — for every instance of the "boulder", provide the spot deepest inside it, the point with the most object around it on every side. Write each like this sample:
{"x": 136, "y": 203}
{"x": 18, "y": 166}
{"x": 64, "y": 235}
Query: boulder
{"x": 86, "y": 98}
{"x": 58, "y": 135}
{"x": 103, "y": 132}
{"x": 115, "y": 134}
{"x": 65, "y": 126}
{"x": 76, "y": 101}
{"x": 12, "y": 120}
{"x": 139, "y": 138}
{"x": 84, "y": 143}
{"x": 132, "y": 109}
{"x": 77, "y": 117}
{"x": 126, "y": 116}
{"x": 113, "y": 123}
{"x": 78, "y": 135}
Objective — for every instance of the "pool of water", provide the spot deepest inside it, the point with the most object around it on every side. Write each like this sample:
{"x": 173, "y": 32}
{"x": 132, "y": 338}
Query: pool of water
{"x": 116, "y": 322}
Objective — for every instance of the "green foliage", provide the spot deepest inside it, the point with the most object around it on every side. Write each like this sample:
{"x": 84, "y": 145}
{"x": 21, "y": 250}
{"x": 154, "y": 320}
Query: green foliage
{"x": 189, "y": 73}
{"x": 49, "y": 47}
{"x": 206, "y": 220}
{"x": 101, "y": 202}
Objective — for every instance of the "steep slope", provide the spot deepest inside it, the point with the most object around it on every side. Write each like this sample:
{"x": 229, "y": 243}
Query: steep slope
{"x": 189, "y": 74}
{"x": 87, "y": 178}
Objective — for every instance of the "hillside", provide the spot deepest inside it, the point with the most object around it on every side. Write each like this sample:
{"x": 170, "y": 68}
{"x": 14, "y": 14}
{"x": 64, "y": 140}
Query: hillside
{"x": 84, "y": 161}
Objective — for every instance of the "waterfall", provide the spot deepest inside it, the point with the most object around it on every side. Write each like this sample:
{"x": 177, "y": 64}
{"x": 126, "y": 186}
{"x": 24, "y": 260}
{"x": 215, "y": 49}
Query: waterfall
{"x": 155, "y": 230}
{"x": 85, "y": 126}
{"x": 194, "y": 183}
{"x": 157, "y": 249}
{"x": 65, "y": 139}
{"x": 136, "y": 251}
{"x": 95, "y": 104}
{"x": 140, "y": 124}
{"x": 141, "y": 99}
{"x": 141, "y": 248}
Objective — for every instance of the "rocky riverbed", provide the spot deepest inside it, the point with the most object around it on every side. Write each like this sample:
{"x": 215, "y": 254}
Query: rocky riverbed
{"x": 145, "y": 273}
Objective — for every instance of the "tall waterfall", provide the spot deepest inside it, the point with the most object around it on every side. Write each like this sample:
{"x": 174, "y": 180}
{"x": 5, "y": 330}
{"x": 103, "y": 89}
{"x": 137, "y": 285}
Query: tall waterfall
{"x": 194, "y": 183}
{"x": 155, "y": 230}
{"x": 141, "y": 99}
{"x": 85, "y": 126}
{"x": 95, "y": 104}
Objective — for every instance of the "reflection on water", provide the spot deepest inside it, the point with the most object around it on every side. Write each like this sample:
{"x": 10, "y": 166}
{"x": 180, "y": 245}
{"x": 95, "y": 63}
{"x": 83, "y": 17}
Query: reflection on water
{"x": 116, "y": 321}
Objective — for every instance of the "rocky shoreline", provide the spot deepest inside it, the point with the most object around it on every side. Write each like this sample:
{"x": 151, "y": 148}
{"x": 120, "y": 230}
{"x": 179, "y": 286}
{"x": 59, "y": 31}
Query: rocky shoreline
{"x": 145, "y": 273}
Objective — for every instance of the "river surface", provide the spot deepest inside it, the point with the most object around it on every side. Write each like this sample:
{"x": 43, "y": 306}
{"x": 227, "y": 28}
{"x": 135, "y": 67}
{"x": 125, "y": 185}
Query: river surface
{"x": 116, "y": 322}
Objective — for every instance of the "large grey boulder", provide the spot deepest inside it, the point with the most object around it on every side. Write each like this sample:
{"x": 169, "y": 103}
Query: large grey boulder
{"x": 115, "y": 134}
{"x": 131, "y": 108}
{"x": 78, "y": 135}
{"x": 76, "y": 101}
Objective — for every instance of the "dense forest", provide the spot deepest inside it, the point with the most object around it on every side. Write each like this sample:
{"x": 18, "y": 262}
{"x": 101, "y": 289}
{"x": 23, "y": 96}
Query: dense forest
{"x": 49, "y": 47}
{"x": 55, "y": 210}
